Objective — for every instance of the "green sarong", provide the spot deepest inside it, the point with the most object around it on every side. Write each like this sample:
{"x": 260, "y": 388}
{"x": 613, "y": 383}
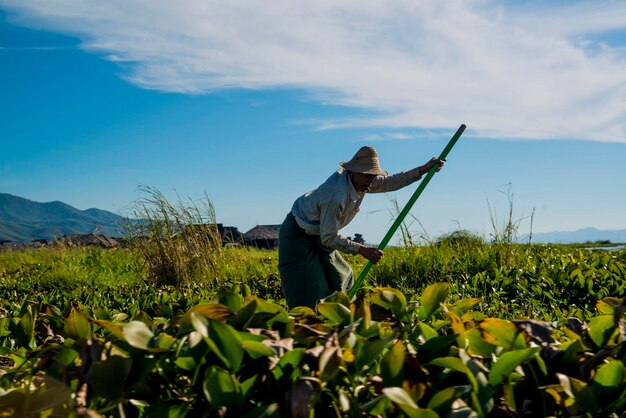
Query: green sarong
{"x": 308, "y": 270}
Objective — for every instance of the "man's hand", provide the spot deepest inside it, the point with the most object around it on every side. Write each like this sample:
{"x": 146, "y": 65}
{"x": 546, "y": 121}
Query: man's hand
{"x": 432, "y": 163}
{"x": 372, "y": 254}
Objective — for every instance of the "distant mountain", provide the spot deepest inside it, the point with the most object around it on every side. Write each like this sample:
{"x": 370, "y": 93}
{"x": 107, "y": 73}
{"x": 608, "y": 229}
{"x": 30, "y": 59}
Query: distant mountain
{"x": 579, "y": 236}
{"x": 22, "y": 220}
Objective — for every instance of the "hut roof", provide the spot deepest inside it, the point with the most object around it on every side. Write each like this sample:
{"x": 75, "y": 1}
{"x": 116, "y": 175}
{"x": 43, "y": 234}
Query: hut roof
{"x": 88, "y": 239}
{"x": 263, "y": 232}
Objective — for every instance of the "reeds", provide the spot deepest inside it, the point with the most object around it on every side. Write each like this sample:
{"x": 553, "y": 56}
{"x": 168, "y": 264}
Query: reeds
{"x": 176, "y": 241}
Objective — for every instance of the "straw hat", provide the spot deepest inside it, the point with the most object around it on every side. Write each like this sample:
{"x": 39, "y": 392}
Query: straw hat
{"x": 364, "y": 161}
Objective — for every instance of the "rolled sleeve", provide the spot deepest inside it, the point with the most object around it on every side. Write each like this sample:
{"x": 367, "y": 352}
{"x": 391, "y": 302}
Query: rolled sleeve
{"x": 395, "y": 181}
{"x": 329, "y": 230}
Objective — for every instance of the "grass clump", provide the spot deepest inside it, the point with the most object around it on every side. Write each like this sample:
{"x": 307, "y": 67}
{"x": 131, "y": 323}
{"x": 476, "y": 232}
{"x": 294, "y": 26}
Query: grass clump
{"x": 176, "y": 241}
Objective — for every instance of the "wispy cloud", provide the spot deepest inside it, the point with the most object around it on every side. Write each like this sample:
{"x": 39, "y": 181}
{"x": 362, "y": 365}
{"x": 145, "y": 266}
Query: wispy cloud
{"x": 506, "y": 69}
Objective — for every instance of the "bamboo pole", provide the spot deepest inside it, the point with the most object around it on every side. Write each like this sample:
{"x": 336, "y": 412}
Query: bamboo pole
{"x": 405, "y": 211}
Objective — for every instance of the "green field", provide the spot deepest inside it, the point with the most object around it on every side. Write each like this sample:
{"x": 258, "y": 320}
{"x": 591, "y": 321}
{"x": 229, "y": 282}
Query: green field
{"x": 458, "y": 328}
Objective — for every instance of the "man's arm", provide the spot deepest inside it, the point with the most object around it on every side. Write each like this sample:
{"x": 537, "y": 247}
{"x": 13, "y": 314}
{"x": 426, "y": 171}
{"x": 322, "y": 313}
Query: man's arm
{"x": 397, "y": 181}
{"x": 329, "y": 230}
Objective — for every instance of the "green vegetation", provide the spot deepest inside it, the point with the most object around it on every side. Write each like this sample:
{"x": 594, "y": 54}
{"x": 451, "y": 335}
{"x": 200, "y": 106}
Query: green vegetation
{"x": 457, "y": 327}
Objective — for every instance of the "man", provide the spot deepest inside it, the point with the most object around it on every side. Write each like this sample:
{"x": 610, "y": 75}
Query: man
{"x": 309, "y": 262}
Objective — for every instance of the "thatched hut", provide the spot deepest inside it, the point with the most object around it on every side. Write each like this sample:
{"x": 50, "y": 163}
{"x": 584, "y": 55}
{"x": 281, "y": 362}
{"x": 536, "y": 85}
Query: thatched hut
{"x": 262, "y": 236}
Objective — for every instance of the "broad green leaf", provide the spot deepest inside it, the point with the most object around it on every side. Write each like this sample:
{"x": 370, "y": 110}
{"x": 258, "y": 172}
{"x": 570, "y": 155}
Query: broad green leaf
{"x": 392, "y": 365}
{"x": 462, "y": 306}
{"x": 186, "y": 363}
{"x": 221, "y": 388}
{"x": 107, "y": 377}
{"x": 329, "y": 363}
{"x": 335, "y": 312}
{"x": 442, "y": 400}
{"x": 507, "y": 362}
{"x": 400, "y": 397}
{"x": 289, "y": 363}
{"x": 579, "y": 391}
{"x": 502, "y": 333}
{"x": 25, "y": 331}
{"x": 227, "y": 341}
{"x": 368, "y": 352}
{"x": 606, "y": 306}
{"x": 404, "y": 401}
{"x": 437, "y": 347}
{"x": 482, "y": 393}
{"x": 431, "y": 298}
{"x": 257, "y": 349}
{"x": 138, "y": 335}
{"x": 608, "y": 382}
{"x": 601, "y": 329}
{"x": 452, "y": 363}
{"x": 207, "y": 310}
{"x": 426, "y": 331}
{"x": 338, "y": 297}
{"x": 610, "y": 374}
{"x": 392, "y": 299}
{"x": 233, "y": 300}
{"x": 77, "y": 325}
{"x": 459, "y": 329}
{"x": 114, "y": 328}
{"x": 52, "y": 395}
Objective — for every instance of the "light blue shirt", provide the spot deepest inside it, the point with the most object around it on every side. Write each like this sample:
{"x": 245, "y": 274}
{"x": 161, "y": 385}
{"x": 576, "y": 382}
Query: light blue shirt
{"x": 330, "y": 207}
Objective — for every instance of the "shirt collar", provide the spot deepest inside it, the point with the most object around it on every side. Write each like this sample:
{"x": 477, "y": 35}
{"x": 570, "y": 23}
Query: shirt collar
{"x": 354, "y": 196}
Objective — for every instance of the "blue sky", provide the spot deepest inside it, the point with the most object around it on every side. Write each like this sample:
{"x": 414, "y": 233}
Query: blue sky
{"x": 256, "y": 103}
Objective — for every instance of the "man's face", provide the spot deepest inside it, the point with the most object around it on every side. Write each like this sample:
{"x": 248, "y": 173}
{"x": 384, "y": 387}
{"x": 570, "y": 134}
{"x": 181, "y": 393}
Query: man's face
{"x": 362, "y": 182}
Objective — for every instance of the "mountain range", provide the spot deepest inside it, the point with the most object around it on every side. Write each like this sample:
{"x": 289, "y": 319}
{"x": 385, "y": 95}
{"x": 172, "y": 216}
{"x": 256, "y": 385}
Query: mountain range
{"x": 22, "y": 220}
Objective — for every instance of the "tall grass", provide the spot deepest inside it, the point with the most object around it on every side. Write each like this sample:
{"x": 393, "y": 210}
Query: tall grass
{"x": 176, "y": 241}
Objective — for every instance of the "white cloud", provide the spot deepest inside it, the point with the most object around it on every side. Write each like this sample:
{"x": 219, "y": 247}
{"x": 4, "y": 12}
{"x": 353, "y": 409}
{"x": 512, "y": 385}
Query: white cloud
{"x": 506, "y": 70}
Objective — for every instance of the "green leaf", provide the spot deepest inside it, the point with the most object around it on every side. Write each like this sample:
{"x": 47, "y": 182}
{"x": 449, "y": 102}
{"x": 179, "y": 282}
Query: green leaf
{"x": 432, "y": 297}
{"x": 400, "y": 397}
{"x": 368, "y": 352}
{"x": 186, "y": 363}
{"x": 25, "y": 331}
{"x": 606, "y": 306}
{"x": 601, "y": 329}
{"x": 137, "y": 334}
{"x": 289, "y": 363}
{"x": 233, "y": 300}
{"x": 207, "y": 310}
{"x": 329, "y": 363}
{"x": 335, "y": 312}
{"x": 66, "y": 356}
{"x": 610, "y": 374}
{"x": 442, "y": 401}
{"x": 114, "y": 328}
{"x": 45, "y": 398}
{"x": 404, "y": 401}
{"x": 452, "y": 363}
{"x": 608, "y": 382}
{"x": 507, "y": 362}
{"x": 338, "y": 297}
{"x": 228, "y": 342}
{"x": 257, "y": 349}
{"x": 107, "y": 377}
{"x": 392, "y": 365}
{"x": 392, "y": 299}
{"x": 476, "y": 345}
{"x": 77, "y": 325}
{"x": 221, "y": 388}
{"x": 502, "y": 333}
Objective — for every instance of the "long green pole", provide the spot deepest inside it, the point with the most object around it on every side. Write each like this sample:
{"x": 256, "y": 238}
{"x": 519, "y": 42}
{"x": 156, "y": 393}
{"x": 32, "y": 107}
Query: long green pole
{"x": 406, "y": 210}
